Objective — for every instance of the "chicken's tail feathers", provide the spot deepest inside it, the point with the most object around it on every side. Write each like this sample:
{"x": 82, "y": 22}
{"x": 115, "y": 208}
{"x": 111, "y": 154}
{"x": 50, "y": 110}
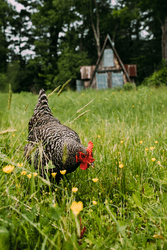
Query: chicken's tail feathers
{"x": 42, "y": 104}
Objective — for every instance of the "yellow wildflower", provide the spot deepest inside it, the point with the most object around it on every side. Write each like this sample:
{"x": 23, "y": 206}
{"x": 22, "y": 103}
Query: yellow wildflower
{"x": 153, "y": 159}
{"x": 140, "y": 142}
{"x": 63, "y": 171}
{"x": 94, "y": 202}
{"x": 121, "y": 165}
{"x": 35, "y": 174}
{"x": 77, "y": 207}
{"x": 29, "y": 176}
{"x": 19, "y": 164}
{"x": 156, "y": 142}
{"x": 95, "y": 179}
{"x": 8, "y": 169}
{"x": 86, "y": 120}
{"x": 74, "y": 189}
{"x": 23, "y": 172}
{"x": 133, "y": 106}
{"x": 151, "y": 148}
{"x": 13, "y": 135}
{"x": 113, "y": 93}
{"x": 146, "y": 149}
{"x": 53, "y": 174}
{"x": 159, "y": 162}
{"x": 122, "y": 142}
{"x": 98, "y": 136}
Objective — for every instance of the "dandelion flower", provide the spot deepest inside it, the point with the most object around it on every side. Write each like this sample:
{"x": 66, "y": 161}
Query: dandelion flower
{"x": 156, "y": 142}
{"x": 8, "y": 169}
{"x": 35, "y": 174}
{"x": 53, "y": 174}
{"x": 113, "y": 93}
{"x": 19, "y": 164}
{"x": 133, "y": 106}
{"x": 146, "y": 149}
{"x": 122, "y": 142}
{"x": 153, "y": 159}
{"x": 23, "y": 172}
{"x": 76, "y": 207}
{"x": 98, "y": 136}
{"x": 74, "y": 189}
{"x": 13, "y": 135}
{"x": 121, "y": 165}
{"x": 86, "y": 120}
{"x": 140, "y": 142}
{"x": 63, "y": 171}
{"x": 151, "y": 148}
{"x": 94, "y": 202}
{"x": 95, "y": 179}
{"x": 29, "y": 176}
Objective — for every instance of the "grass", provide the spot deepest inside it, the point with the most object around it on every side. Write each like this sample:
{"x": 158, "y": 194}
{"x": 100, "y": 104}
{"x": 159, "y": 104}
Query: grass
{"x": 124, "y": 209}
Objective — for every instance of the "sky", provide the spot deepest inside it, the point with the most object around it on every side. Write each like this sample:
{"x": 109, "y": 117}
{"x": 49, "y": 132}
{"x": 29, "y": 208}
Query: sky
{"x": 18, "y": 5}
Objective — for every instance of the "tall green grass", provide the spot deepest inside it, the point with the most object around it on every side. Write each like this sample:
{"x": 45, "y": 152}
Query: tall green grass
{"x": 124, "y": 209}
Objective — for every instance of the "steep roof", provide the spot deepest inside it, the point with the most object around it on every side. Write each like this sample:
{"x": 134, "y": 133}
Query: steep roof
{"x": 108, "y": 39}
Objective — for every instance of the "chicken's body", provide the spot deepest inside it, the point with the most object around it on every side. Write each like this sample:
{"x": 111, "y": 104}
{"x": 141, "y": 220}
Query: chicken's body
{"x": 55, "y": 142}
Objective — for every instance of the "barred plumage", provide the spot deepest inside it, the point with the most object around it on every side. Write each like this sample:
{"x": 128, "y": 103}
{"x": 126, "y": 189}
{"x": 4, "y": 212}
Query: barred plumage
{"x": 54, "y": 142}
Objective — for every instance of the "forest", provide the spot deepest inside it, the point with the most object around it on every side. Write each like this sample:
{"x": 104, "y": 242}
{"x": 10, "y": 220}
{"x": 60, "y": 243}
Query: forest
{"x": 63, "y": 35}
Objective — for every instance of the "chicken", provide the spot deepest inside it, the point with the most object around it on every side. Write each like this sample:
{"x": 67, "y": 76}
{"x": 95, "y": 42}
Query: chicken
{"x": 49, "y": 140}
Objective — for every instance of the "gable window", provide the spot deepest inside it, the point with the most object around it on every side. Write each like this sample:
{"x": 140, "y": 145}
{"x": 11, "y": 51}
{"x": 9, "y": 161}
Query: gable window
{"x": 108, "y": 58}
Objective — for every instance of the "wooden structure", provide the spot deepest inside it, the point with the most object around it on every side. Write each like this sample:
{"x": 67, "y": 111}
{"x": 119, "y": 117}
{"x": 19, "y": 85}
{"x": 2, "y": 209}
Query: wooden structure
{"x": 109, "y": 70}
{"x": 132, "y": 71}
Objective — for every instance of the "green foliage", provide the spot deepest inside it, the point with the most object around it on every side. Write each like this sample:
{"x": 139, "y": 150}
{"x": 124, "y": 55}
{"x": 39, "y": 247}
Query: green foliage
{"x": 159, "y": 77}
{"x": 3, "y": 83}
{"x": 129, "y": 86}
{"x": 128, "y": 130}
{"x": 69, "y": 65}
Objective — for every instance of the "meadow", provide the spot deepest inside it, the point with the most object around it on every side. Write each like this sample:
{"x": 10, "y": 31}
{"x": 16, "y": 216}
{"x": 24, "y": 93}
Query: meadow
{"x": 124, "y": 197}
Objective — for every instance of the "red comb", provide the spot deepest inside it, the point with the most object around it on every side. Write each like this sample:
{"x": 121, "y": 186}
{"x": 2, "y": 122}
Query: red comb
{"x": 85, "y": 158}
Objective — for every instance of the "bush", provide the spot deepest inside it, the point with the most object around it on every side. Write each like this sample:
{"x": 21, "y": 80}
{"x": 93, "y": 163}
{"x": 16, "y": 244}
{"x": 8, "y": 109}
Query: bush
{"x": 129, "y": 86}
{"x": 159, "y": 77}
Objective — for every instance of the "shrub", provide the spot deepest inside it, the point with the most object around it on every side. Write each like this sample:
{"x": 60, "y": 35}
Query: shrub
{"x": 159, "y": 77}
{"x": 129, "y": 86}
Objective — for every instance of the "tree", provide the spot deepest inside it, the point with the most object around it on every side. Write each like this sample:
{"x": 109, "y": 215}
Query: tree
{"x": 6, "y": 17}
{"x": 157, "y": 9}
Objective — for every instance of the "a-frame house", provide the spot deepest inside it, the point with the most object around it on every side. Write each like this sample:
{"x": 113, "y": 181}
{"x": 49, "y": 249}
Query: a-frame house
{"x": 109, "y": 70}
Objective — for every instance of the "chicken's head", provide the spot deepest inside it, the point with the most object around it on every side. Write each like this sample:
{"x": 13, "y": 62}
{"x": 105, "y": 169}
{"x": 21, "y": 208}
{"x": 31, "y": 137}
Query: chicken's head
{"x": 85, "y": 159}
